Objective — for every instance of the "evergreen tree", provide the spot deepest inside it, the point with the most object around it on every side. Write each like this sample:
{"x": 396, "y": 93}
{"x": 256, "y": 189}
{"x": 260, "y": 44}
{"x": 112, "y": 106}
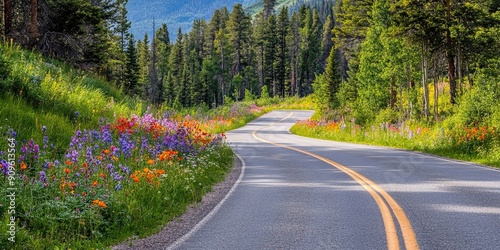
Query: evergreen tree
{"x": 270, "y": 43}
{"x": 175, "y": 88}
{"x": 327, "y": 85}
{"x": 122, "y": 24}
{"x": 282, "y": 64}
{"x": 144, "y": 64}
{"x": 294, "y": 40}
{"x": 132, "y": 69}
{"x": 239, "y": 33}
{"x": 163, "y": 52}
{"x": 327, "y": 40}
{"x": 268, "y": 8}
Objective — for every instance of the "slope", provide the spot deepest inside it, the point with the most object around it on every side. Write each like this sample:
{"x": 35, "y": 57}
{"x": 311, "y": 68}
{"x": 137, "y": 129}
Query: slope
{"x": 176, "y": 14}
{"x": 36, "y": 92}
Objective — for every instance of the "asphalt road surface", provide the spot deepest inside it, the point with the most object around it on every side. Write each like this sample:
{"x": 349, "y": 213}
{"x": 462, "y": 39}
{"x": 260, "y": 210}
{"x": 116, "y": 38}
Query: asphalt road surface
{"x": 302, "y": 193}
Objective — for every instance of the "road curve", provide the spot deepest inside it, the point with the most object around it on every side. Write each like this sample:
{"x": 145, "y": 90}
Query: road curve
{"x": 302, "y": 193}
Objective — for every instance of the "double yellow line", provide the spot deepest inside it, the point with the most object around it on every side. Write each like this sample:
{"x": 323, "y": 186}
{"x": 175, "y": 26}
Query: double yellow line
{"x": 385, "y": 202}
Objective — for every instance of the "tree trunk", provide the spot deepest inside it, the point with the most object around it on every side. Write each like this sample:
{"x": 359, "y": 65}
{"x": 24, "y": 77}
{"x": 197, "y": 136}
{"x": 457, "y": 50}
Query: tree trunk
{"x": 450, "y": 56}
{"x": 392, "y": 101}
{"x": 436, "y": 88}
{"x": 33, "y": 37}
{"x": 8, "y": 15}
{"x": 424, "y": 82}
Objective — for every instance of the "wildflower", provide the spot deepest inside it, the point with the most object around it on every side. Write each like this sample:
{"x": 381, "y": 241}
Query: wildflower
{"x": 68, "y": 162}
{"x": 118, "y": 187}
{"x": 67, "y": 170}
{"x": 103, "y": 175}
{"x": 151, "y": 162}
{"x": 100, "y": 203}
{"x": 23, "y": 166}
{"x": 43, "y": 177}
{"x": 84, "y": 193}
{"x": 44, "y": 129}
{"x": 134, "y": 177}
{"x": 94, "y": 183}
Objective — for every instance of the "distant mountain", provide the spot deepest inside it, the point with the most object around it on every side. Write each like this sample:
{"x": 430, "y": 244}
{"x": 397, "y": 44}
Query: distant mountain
{"x": 175, "y": 13}
{"x": 181, "y": 13}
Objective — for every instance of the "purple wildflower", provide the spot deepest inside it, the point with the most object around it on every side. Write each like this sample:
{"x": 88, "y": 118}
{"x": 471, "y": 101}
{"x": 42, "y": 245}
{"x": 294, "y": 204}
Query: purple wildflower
{"x": 126, "y": 144}
{"x": 5, "y": 167}
{"x": 43, "y": 177}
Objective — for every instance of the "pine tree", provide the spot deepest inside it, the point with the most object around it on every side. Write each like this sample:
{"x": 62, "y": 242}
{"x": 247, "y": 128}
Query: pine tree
{"x": 282, "y": 67}
{"x": 327, "y": 40}
{"x": 294, "y": 40}
{"x": 268, "y": 8}
{"x": 239, "y": 32}
{"x": 123, "y": 24}
{"x": 174, "y": 86}
{"x": 132, "y": 69}
{"x": 144, "y": 64}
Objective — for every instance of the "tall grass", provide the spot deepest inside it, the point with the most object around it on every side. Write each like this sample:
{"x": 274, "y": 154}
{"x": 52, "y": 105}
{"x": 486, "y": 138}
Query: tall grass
{"x": 476, "y": 144}
{"x": 36, "y": 91}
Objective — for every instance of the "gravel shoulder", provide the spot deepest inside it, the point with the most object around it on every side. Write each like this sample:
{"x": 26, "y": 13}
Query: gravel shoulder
{"x": 178, "y": 227}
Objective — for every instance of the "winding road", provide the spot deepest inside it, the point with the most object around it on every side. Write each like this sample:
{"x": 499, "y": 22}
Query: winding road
{"x": 301, "y": 193}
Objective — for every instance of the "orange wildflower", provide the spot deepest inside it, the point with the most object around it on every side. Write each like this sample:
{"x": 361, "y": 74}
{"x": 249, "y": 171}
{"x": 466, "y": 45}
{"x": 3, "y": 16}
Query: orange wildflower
{"x": 85, "y": 165}
{"x": 67, "y": 170}
{"x": 68, "y": 162}
{"x": 151, "y": 162}
{"x": 99, "y": 157}
{"x": 94, "y": 184}
{"x": 134, "y": 178}
{"x": 103, "y": 175}
{"x": 23, "y": 166}
{"x": 84, "y": 193}
{"x": 99, "y": 203}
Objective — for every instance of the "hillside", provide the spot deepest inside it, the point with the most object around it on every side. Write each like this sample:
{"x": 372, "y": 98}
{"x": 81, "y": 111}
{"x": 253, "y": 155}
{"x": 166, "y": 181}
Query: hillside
{"x": 176, "y": 14}
{"x": 36, "y": 91}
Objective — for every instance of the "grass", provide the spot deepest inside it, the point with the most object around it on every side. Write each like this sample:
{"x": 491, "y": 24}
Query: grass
{"x": 90, "y": 162}
{"x": 36, "y": 91}
{"x": 480, "y": 145}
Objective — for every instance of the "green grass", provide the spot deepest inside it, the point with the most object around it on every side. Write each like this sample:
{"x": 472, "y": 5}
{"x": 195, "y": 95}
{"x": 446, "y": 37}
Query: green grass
{"x": 434, "y": 140}
{"x": 37, "y": 92}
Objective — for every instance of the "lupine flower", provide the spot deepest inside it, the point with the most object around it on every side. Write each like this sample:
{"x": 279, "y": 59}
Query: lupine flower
{"x": 43, "y": 177}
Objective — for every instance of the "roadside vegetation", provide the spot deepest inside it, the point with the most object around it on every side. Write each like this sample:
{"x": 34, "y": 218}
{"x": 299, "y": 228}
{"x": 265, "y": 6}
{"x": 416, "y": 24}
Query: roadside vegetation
{"x": 93, "y": 166}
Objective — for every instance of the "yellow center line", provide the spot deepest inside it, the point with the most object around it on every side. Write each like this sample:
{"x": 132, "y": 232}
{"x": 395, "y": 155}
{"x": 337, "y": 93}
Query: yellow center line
{"x": 377, "y": 193}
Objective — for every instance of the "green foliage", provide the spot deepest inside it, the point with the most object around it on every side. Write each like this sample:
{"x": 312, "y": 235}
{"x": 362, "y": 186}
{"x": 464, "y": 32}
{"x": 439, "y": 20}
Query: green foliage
{"x": 56, "y": 92}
